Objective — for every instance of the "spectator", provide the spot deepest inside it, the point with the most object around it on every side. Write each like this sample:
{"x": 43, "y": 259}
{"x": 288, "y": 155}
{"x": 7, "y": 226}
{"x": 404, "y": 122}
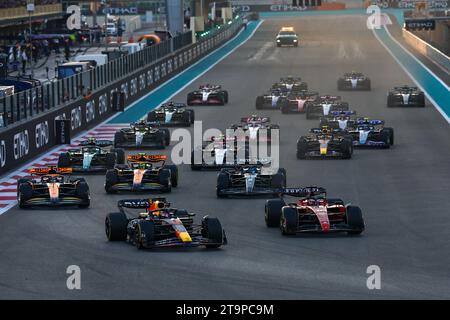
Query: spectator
{"x": 67, "y": 50}
{"x": 24, "y": 58}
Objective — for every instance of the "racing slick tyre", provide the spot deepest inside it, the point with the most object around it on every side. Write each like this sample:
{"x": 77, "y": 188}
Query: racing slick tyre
{"x": 225, "y": 96}
{"x": 302, "y": 147}
{"x": 166, "y": 137}
{"x": 259, "y": 102}
{"x": 189, "y": 99}
{"x": 20, "y": 181}
{"x": 187, "y": 119}
{"x": 119, "y": 137}
{"x": 192, "y": 115}
{"x": 164, "y": 177}
{"x": 120, "y": 155}
{"x": 82, "y": 192}
{"x": 195, "y": 166}
{"x": 223, "y": 182}
{"x": 272, "y": 212}
{"x": 151, "y": 116}
{"x": 285, "y": 108}
{"x": 387, "y": 136}
{"x": 367, "y": 85}
{"x": 309, "y": 112}
{"x": 111, "y": 180}
{"x": 110, "y": 160}
{"x": 422, "y": 100}
{"x": 173, "y": 174}
{"x": 64, "y": 160}
{"x": 284, "y": 173}
{"x": 277, "y": 181}
{"x": 340, "y": 84}
{"x": 25, "y": 193}
{"x": 221, "y": 99}
{"x": 355, "y": 220}
{"x": 288, "y": 221}
{"x": 212, "y": 230}
{"x": 116, "y": 226}
{"x": 390, "y": 102}
{"x": 346, "y": 149}
{"x": 144, "y": 234}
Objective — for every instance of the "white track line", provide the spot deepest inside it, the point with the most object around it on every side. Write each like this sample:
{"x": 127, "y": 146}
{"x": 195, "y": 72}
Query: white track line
{"x": 435, "y": 104}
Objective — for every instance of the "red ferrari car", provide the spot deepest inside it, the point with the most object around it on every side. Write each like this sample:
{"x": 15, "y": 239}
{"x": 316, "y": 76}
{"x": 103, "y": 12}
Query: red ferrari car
{"x": 313, "y": 212}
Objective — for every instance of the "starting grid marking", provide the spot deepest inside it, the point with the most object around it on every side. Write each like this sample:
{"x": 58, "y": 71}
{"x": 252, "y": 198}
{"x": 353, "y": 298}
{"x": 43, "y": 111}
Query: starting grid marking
{"x": 8, "y": 184}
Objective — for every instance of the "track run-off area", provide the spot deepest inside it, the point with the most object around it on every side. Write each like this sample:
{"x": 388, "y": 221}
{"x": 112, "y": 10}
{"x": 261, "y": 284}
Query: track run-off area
{"x": 403, "y": 191}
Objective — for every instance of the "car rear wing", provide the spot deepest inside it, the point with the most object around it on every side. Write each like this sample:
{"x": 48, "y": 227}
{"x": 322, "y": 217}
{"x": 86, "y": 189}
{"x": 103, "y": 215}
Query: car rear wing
{"x": 49, "y": 170}
{"x": 330, "y": 98}
{"x": 140, "y": 203}
{"x": 341, "y": 113}
{"x": 255, "y": 119}
{"x": 173, "y": 104}
{"x": 147, "y": 158}
{"x": 332, "y": 130}
{"x": 97, "y": 143}
{"x": 303, "y": 192}
{"x": 371, "y": 121}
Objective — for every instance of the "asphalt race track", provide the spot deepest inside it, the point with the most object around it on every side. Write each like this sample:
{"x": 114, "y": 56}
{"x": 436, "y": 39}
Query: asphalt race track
{"x": 403, "y": 192}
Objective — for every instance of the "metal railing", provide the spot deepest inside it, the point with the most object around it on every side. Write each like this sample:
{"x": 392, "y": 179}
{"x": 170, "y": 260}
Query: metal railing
{"x": 21, "y": 12}
{"x": 54, "y": 94}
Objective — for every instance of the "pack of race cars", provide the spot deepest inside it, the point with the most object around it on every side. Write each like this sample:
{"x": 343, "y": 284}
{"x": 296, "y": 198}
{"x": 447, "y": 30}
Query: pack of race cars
{"x": 159, "y": 224}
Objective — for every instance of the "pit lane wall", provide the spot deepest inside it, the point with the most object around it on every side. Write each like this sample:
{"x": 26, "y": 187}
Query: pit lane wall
{"x": 27, "y": 139}
{"x": 426, "y": 49}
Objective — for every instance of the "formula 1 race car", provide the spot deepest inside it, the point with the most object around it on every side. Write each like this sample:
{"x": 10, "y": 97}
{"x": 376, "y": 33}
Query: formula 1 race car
{"x": 92, "y": 156}
{"x": 172, "y": 114}
{"x": 253, "y": 127}
{"x": 287, "y": 37}
{"x": 353, "y": 81}
{"x": 325, "y": 143}
{"x": 297, "y": 101}
{"x": 274, "y": 99}
{"x": 160, "y": 225}
{"x": 339, "y": 119}
{"x": 313, "y": 212}
{"x": 290, "y": 84}
{"x": 324, "y": 105}
{"x": 142, "y": 173}
{"x": 406, "y": 96}
{"x": 371, "y": 133}
{"x": 219, "y": 152}
{"x": 250, "y": 180}
{"x": 142, "y": 135}
{"x": 208, "y": 95}
{"x": 53, "y": 188}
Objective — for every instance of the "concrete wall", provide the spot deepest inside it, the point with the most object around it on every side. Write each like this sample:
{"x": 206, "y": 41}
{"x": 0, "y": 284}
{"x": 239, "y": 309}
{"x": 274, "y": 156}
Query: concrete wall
{"x": 427, "y": 50}
{"x": 439, "y": 38}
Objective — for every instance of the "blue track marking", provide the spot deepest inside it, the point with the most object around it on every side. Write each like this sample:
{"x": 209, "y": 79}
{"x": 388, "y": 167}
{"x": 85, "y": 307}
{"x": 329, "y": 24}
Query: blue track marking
{"x": 167, "y": 89}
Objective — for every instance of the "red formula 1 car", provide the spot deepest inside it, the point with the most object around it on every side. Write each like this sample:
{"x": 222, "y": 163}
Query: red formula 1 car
{"x": 313, "y": 212}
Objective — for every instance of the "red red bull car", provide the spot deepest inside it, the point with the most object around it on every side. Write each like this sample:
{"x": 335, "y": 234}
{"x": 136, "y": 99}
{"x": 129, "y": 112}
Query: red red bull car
{"x": 313, "y": 212}
{"x": 52, "y": 187}
{"x": 160, "y": 225}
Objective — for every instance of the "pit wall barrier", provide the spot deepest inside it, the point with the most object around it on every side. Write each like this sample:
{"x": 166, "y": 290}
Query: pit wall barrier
{"x": 25, "y": 140}
{"x": 426, "y": 49}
